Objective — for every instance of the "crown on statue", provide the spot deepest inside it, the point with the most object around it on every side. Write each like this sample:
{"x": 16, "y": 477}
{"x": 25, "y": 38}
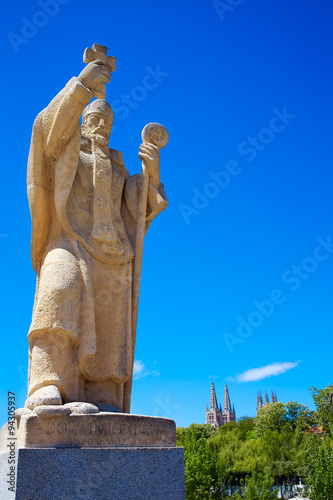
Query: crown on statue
{"x": 99, "y": 106}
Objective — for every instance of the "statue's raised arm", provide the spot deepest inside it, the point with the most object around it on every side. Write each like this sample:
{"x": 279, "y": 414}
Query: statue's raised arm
{"x": 61, "y": 119}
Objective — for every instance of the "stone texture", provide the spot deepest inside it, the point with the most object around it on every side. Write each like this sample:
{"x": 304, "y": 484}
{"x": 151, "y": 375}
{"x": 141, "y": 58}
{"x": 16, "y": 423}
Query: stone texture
{"x": 89, "y": 218}
{"x": 98, "y": 52}
{"x": 52, "y": 411}
{"x": 81, "y": 408}
{"x": 22, "y": 411}
{"x": 91, "y": 430}
{"x": 48, "y": 395}
{"x": 97, "y": 474}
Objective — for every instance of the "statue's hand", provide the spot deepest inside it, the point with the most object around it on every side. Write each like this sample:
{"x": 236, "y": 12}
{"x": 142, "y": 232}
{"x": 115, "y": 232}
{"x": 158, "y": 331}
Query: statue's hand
{"x": 95, "y": 73}
{"x": 150, "y": 154}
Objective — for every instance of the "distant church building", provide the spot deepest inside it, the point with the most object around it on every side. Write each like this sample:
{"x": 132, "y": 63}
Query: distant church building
{"x": 260, "y": 403}
{"x": 215, "y": 416}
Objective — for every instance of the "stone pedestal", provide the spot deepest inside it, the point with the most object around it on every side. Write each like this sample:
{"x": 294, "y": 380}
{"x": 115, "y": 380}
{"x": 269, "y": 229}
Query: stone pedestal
{"x": 91, "y": 473}
{"x": 96, "y": 456}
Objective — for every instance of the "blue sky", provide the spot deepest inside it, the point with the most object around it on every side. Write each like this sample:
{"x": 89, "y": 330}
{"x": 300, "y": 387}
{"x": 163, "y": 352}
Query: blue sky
{"x": 244, "y": 89}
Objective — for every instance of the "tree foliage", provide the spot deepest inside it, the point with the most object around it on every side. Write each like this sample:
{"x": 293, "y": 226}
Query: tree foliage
{"x": 271, "y": 417}
{"x": 201, "y": 468}
{"x": 324, "y": 408}
{"x": 321, "y": 478}
{"x": 279, "y": 445}
{"x": 198, "y": 431}
{"x": 257, "y": 487}
{"x": 299, "y": 416}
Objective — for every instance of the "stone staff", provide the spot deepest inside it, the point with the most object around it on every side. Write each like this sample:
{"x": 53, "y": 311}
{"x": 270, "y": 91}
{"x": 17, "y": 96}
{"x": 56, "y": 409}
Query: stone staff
{"x": 156, "y": 134}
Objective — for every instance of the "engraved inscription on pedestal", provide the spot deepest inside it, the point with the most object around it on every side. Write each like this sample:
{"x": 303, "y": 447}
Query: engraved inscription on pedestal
{"x": 96, "y": 430}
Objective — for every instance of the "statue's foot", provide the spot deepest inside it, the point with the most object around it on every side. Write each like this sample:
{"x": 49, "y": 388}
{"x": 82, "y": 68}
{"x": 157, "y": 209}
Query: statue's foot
{"x": 48, "y": 395}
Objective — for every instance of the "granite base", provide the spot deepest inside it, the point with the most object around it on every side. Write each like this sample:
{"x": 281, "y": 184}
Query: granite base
{"x": 136, "y": 473}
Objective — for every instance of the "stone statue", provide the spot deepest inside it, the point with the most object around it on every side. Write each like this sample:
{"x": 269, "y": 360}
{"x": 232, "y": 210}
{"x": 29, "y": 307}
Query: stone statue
{"x": 89, "y": 217}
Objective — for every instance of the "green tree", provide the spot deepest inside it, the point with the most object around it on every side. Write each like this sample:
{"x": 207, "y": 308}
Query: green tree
{"x": 321, "y": 399}
{"x": 181, "y": 433}
{"x": 306, "y": 454}
{"x": 299, "y": 416}
{"x": 321, "y": 479}
{"x": 245, "y": 428}
{"x": 279, "y": 443}
{"x": 279, "y": 448}
{"x": 250, "y": 457}
{"x": 271, "y": 417}
{"x": 201, "y": 470}
{"x": 257, "y": 487}
{"x": 229, "y": 427}
{"x": 198, "y": 431}
{"x": 225, "y": 447}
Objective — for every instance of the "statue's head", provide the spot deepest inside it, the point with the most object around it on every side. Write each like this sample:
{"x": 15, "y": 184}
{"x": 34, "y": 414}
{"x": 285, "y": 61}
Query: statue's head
{"x": 97, "y": 121}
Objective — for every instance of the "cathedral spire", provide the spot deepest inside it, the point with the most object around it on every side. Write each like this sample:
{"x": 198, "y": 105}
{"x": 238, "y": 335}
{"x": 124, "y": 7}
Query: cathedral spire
{"x": 215, "y": 416}
{"x": 266, "y": 399}
{"x": 226, "y": 403}
{"x": 213, "y": 400}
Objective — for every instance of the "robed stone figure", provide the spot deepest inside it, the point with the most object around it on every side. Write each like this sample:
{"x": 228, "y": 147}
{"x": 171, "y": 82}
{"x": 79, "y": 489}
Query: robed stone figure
{"x": 84, "y": 207}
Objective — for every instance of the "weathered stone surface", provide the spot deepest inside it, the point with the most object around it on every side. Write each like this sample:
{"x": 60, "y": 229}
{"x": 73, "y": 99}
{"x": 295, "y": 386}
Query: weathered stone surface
{"x": 21, "y": 411}
{"x": 51, "y": 411}
{"x": 81, "y": 408}
{"x": 93, "y": 430}
{"x": 48, "y": 395}
{"x": 89, "y": 219}
{"x": 91, "y": 474}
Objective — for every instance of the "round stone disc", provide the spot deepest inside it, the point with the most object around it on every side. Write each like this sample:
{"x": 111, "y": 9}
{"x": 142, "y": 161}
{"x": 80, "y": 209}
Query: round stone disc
{"x": 156, "y": 134}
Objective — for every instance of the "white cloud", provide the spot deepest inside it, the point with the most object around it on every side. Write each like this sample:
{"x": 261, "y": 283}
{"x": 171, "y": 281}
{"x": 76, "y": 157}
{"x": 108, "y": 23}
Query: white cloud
{"x": 266, "y": 371}
{"x": 140, "y": 370}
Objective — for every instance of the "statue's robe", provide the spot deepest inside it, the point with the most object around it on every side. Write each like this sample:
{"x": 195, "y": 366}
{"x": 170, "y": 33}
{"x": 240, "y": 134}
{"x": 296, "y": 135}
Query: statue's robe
{"x": 84, "y": 285}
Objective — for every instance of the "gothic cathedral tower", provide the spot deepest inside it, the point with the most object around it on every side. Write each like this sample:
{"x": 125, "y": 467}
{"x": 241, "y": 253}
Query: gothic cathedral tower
{"x": 215, "y": 416}
{"x": 260, "y": 403}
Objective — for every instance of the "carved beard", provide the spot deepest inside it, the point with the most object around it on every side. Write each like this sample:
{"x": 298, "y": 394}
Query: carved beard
{"x": 100, "y": 140}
